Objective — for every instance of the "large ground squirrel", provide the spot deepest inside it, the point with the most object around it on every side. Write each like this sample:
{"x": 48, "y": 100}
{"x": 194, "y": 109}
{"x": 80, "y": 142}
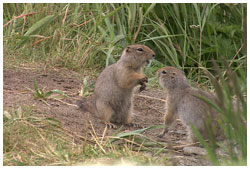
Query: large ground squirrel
{"x": 182, "y": 103}
{"x": 113, "y": 92}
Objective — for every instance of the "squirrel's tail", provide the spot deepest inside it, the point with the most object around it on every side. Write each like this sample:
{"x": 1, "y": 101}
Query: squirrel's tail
{"x": 87, "y": 105}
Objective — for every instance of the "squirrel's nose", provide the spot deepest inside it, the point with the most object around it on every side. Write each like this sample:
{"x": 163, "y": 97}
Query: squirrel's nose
{"x": 158, "y": 74}
{"x": 153, "y": 56}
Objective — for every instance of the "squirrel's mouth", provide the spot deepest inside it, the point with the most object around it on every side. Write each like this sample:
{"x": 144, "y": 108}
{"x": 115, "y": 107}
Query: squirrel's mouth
{"x": 146, "y": 62}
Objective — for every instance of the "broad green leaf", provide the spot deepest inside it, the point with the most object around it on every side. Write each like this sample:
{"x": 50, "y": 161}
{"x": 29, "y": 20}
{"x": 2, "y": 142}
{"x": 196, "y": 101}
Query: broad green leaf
{"x": 39, "y": 25}
{"x": 36, "y": 27}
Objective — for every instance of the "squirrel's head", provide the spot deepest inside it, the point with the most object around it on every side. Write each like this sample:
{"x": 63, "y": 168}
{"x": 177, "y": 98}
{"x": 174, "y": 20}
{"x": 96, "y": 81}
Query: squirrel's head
{"x": 138, "y": 55}
{"x": 171, "y": 78}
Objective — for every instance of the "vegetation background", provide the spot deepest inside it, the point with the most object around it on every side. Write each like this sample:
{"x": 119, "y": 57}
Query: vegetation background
{"x": 92, "y": 36}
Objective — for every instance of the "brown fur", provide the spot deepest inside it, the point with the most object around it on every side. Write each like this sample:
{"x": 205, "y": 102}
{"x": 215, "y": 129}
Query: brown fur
{"x": 113, "y": 93}
{"x": 182, "y": 103}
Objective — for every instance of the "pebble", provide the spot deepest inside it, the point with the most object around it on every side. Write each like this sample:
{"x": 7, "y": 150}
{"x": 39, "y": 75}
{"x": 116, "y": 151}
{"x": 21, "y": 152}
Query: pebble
{"x": 194, "y": 150}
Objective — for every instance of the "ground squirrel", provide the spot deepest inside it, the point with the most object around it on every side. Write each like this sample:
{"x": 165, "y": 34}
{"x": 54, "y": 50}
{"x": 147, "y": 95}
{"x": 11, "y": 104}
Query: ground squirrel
{"x": 113, "y": 92}
{"x": 182, "y": 103}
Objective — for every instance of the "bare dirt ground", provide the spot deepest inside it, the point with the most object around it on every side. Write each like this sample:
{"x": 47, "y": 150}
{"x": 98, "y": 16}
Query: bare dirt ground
{"x": 148, "y": 108}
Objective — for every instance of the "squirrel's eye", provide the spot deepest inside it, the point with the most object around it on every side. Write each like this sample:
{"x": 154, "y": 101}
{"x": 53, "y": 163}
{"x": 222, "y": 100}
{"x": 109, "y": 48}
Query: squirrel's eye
{"x": 164, "y": 72}
{"x": 140, "y": 49}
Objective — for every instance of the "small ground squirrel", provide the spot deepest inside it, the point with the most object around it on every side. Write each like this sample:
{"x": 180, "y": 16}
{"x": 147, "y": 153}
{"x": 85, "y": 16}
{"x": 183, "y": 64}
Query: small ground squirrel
{"x": 182, "y": 102}
{"x": 113, "y": 92}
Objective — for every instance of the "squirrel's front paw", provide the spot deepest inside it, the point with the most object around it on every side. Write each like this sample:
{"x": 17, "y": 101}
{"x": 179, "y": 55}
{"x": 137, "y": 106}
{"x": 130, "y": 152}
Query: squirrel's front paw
{"x": 163, "y": 133}
{"x": 143, "y": 80}
{"x": 143, "y": 87}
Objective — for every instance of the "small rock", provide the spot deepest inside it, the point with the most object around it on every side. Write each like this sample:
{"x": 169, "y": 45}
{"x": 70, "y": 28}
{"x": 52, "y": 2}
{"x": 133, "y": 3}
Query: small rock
{"x": 194, "y": 150}
{"x": 181, "y": 132}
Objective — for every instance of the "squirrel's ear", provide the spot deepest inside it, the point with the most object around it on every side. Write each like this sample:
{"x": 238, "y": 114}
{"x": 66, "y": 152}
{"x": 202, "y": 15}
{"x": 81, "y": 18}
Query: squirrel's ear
{"x": 127, "y": 49}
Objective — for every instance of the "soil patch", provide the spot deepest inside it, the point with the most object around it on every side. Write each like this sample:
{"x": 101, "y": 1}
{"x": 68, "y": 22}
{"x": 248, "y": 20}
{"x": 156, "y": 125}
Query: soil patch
{"x": 148, "y": 107}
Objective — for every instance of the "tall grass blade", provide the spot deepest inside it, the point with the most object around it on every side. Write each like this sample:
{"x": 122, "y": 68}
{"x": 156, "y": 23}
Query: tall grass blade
{"x": 36, "y": 28}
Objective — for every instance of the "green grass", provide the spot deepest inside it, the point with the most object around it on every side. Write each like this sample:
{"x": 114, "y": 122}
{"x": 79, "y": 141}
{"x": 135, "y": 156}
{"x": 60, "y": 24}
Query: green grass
{"x": 92, "y": 36}
{"x": 33, "y": 140}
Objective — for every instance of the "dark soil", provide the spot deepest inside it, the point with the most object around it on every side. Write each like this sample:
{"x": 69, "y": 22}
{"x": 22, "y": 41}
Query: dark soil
{"x": 148, "y": 107}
